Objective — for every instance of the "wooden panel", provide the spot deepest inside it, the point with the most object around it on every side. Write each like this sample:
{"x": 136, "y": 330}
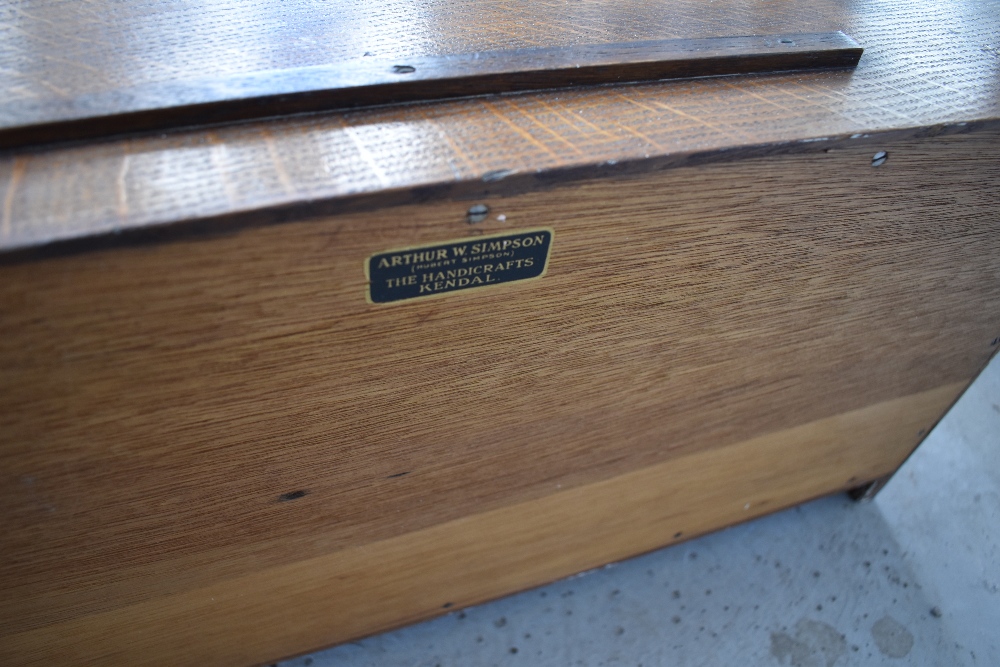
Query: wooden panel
{"x": 925, "y": 64}
{"x": 375, "y": 81}
{"x": 282, "y": 610}
{"x": 45, "y": 53}
{"x": 165, "y": 404}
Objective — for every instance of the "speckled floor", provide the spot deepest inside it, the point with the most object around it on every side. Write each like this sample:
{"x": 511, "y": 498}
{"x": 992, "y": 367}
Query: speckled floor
{"x": 912, "y": 578}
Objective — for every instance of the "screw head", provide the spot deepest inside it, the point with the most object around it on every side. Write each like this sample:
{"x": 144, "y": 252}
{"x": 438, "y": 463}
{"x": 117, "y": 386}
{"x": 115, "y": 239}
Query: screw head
{"x": 477, "y": 213}
{"x": 403, "y": 69}
{"x": 879, "y": 158}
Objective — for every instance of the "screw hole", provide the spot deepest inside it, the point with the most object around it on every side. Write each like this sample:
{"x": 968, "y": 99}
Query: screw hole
{"x": 403, "y": 69}
{"x": 478, "y": 213}
{"x": 879, "y": 158}
{"x": 786, "y": 41}
{"x": 292, "y": 495}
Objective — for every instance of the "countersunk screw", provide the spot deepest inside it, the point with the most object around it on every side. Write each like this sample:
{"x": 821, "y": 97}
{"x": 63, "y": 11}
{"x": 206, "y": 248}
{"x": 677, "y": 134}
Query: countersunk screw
{"x": 403, "y": 69}
{"x": 879, "y": 158}
{"x": 478, "y": 213}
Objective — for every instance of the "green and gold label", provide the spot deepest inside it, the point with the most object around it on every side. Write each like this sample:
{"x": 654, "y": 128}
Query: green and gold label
{"x": 480, "y": 261}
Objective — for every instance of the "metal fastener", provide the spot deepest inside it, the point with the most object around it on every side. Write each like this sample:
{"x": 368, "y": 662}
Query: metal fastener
{"x": 879, "y": 158}
{"x": 403, "y": 69}
{"x": 478, "y": 213}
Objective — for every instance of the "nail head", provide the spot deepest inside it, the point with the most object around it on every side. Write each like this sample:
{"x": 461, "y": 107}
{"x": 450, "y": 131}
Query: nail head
{"x": 478, "y": 213}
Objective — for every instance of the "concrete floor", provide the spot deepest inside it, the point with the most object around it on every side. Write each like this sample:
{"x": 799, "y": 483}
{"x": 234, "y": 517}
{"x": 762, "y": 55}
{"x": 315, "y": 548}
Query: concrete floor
{"x": 912, "y": 578}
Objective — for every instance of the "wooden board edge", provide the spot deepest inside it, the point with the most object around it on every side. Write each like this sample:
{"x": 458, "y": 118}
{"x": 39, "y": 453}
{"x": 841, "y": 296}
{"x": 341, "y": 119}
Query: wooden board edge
{"x": 126, "y": 233}
{"x": 366, "y": 82}
{"x": 362, "y": 590}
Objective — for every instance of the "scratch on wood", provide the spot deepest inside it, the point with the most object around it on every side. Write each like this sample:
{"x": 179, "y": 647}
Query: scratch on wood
{"x": 521, "y": 131}
{"x": 279, "y": 167}
{"x": 122, "y": 189}
{"x": 829, "y": 93}
{"x": 678, "y": 112}
{"x": 545, "y": 127}
{"x": 73, "y": 63}
{"x": 801, "y": 99}
{"x": 51, "y": 86}
{"x": 383, "y": 180}
{"x": 745, "y": 89}
{"x": 219, "y": 156}
{"x": 455, "y": 149}
{"x": 921, "y": 99}
{"x": 956, "y": 91}
{"x": 17, "y": 173}
{"x": 570, "y": 120}
{"x": 636, "y": 133}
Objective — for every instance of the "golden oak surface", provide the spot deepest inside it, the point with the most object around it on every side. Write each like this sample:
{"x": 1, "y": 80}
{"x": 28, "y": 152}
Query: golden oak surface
{"x": 165, "y": 403}
{"x": 214, "y": 449}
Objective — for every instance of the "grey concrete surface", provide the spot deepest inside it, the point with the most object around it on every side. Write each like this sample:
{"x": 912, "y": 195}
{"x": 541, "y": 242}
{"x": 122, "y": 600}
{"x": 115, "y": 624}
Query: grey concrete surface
{"x": 912, "y": 578}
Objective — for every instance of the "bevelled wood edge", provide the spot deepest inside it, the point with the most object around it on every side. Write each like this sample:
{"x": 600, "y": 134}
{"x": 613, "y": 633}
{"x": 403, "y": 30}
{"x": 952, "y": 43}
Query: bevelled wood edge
{"x": 14, "y": 250}
{"x": 354, "y": 592}
{"x": 374, "y": 82}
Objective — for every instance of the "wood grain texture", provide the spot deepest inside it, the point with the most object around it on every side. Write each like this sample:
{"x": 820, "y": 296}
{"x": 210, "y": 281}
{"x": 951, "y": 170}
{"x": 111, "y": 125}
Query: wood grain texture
{"x": 374, "y": 81}
{"x": 164, "y": 404}
{"x": 927, "y": 65}
{"x": 352, "y": 592}
{"x": 51, "y": 50}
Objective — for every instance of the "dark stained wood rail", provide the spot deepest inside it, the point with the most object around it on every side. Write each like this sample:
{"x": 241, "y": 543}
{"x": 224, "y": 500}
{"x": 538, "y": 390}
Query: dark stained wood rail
{"x": 377, "y": 81}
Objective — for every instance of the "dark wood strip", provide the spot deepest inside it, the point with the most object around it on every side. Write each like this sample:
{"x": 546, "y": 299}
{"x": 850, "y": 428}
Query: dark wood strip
{"x": 370, "y": 82}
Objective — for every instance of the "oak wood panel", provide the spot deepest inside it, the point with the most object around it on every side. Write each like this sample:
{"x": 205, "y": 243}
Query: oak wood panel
{"x": 355, "y": 591}
{"x": 374, "y": 81}
{"x": 160, "y": 400}
{"x": 195, "y": 427}
{"x": 51, "y": 50}
{"x": 926, "y": 65}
